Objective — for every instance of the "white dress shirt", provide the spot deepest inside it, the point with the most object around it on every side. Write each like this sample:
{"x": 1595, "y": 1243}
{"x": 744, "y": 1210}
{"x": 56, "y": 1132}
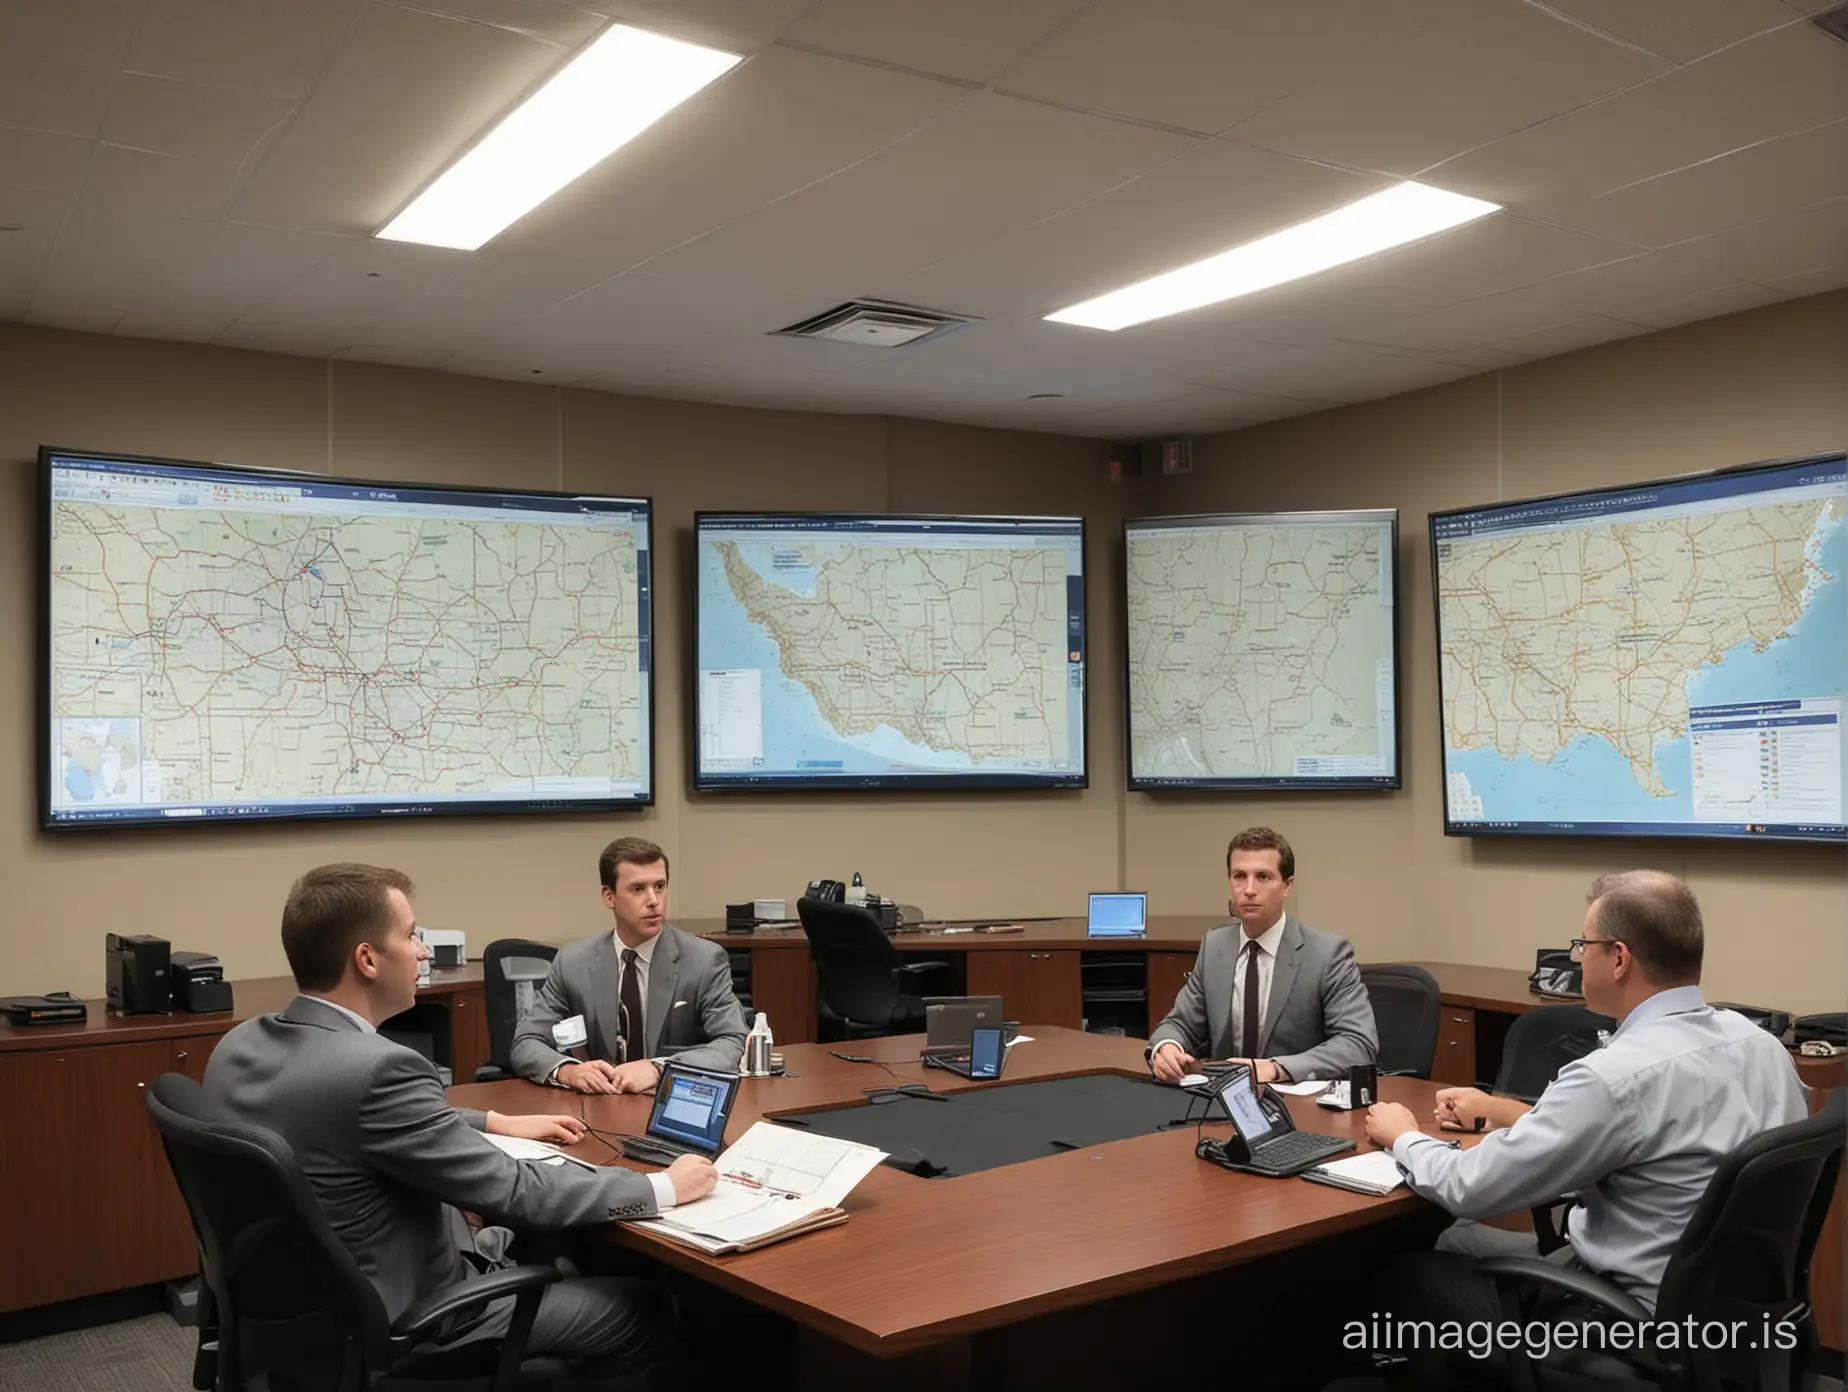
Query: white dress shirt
{"x": 1635, "y": 1130}
{"x": 352, "y": 1015}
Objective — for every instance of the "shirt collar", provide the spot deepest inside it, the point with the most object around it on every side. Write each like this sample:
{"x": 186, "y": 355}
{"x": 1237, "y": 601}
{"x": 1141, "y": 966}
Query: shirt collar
{"x": 354, "y": 1016}
{"x": 1270, "y": 937}
{"x": 1673, "y": 1001}
{"x": 645, "y": 952}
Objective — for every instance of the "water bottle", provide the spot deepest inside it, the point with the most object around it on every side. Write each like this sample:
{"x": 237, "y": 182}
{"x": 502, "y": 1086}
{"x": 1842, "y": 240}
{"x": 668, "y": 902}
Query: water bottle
{"x": 757, "y": 1048}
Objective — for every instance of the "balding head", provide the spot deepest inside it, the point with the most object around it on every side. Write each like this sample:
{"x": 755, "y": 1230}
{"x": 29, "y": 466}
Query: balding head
{"x": 1656, "y": 915}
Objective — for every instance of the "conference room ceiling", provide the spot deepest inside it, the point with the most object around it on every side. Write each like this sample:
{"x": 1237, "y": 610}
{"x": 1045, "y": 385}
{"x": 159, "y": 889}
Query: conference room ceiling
{"x": 211, "y": 171}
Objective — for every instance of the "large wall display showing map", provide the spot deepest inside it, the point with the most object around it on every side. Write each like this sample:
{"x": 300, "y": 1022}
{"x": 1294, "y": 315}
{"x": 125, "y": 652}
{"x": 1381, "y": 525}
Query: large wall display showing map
{"x": 853, "y": 651}
{"x": 1262, "y": 650}
{"x": 231, "y": 644}
{"x": 1664, "y": 659}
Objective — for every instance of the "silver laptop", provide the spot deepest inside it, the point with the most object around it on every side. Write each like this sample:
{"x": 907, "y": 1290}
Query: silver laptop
{"x": 950, "y": 1022}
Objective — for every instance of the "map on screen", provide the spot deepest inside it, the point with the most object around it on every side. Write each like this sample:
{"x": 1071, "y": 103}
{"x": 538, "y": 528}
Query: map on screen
{"x": 856, "y": 651}
{"x": 235, "y": 644}
{"x": 1262, "y": 650}
{"x": 1664, "y": 659}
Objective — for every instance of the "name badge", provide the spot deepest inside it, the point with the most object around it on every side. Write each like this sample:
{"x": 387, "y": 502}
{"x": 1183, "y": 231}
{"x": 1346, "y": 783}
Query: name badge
{"x": 568, "y": 1034}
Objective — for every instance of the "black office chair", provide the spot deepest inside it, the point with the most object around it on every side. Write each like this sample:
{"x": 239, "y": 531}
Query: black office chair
{"x": 511, "y": 970}
{"x": 1407, "y": 1002}
{"x": 1744, "y": 1256}
{"x": 286, "y": 1299}
{"x": 863, "y": 978}
{"x": 1543, "y": 1041}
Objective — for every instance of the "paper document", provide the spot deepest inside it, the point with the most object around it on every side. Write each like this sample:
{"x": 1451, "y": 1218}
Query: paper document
{"x": 1301, "y": 1089}
{"x": 1370, "y": 1172}
{"x": 543, "y": 1151}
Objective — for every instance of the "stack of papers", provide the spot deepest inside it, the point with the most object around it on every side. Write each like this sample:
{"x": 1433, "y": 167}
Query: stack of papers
{"x": 543, "y": 1151}
{"x": 1371, "y": 1172}
{"x": 774, "y": 1183}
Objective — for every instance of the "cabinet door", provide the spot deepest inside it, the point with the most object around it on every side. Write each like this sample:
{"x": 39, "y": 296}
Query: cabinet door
{"x": 1036, "y": 987}
{"x": 90, "y": 1204}
{"x": 1167, "y": 974}
{"x": 468, "y": 1034}
{"x": 783, "y": 987}
{"x": 1456, "y": 1047}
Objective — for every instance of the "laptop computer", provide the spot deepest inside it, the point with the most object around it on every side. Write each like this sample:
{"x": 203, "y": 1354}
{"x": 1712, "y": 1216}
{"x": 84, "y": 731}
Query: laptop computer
{"x": 691, "y": 1107}
{"x": 984, "y": 1056}
{"x": 950, "y": 1022}
{"x": 1263, "y": 1123}
{"x": 1118, "y": 916}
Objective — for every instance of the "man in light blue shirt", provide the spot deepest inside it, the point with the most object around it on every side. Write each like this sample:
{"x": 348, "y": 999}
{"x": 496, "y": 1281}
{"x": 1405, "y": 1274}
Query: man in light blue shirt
{"x": 1635, "y": 1130}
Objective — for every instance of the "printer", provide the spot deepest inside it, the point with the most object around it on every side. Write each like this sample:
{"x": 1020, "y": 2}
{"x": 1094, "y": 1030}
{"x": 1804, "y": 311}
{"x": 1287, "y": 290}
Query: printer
{"x": 135, "y": 972}
{"x": 199, "y": 984}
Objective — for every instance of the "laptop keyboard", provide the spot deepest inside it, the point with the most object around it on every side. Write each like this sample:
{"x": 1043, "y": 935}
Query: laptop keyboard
{"x": 647, "y": 1148}
{"x": 1298, "y": 1147}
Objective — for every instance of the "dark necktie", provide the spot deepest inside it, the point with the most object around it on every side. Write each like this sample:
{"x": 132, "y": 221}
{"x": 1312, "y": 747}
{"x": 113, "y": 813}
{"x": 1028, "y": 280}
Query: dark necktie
{"x": 633, "y": 1044}
{"x": 1249, "y": 1025}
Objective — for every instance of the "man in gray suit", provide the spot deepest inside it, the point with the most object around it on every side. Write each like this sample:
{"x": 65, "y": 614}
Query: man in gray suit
{"x": 387, "y": 1156}
{"x": 636, "y": 996}
{"x": 1268, "y": 990}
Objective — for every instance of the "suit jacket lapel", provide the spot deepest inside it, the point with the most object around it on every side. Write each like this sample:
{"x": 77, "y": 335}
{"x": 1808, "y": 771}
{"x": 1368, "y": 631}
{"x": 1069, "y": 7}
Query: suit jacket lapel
{"x": 1283, "y": 978}
{"x": 663, "y": 981}
{"x": 601, "y": 1025}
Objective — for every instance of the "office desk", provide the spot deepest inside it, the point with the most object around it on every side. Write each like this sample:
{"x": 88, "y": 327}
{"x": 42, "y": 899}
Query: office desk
{"x": 971, "y": 1261}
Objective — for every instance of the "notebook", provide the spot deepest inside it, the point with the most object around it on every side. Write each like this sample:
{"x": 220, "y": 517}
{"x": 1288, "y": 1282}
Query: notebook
{"x": 1373, "y": 1172}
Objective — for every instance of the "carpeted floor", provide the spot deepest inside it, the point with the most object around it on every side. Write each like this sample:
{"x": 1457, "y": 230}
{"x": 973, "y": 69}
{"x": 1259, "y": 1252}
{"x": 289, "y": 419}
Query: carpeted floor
{"x": 150, "y": 1354}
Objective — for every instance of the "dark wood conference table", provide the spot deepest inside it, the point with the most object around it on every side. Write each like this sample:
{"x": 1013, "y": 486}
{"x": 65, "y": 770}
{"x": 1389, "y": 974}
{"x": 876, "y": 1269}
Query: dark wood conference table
{"x": 1036, "y": 1265}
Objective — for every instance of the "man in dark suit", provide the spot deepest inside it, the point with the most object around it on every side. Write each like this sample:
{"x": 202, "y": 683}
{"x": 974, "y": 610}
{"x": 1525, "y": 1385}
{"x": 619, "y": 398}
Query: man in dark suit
{"x": 1268, "y": 989}
{"x": 640, "y": 994}
{"x": 391, "y": 1161}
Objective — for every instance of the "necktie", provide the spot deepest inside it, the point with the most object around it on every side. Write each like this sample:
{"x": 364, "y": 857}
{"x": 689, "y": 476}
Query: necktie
{"x": 1249, "y": 1024}
{"x": 633, "y": 1046}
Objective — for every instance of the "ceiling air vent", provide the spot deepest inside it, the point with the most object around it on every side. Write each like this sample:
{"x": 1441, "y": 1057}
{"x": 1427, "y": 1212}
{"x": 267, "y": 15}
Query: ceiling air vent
{"x": 1833, "y": 22}
{"x": 874, "y": 324}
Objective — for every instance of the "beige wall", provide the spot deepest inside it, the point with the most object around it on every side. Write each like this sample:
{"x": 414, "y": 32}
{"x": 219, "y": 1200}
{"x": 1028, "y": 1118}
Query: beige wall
{"x": 1375, "y": 867}
{"x": 1378, "y": 867}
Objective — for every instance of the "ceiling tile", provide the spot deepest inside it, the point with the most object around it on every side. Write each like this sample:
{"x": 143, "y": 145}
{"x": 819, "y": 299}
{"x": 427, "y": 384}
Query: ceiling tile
{"x": 771, "y": 127}
{"x": 40, "y": 95}
{"x": 183, "y": 311}
{"x": 84, "y": 305}
{"x": 434, "y": 83}
{"x": 1453, "y": 74}
{"x": 550, "y": 21}
{"x": 1779, "y": 82}
{"x": 1333, "y": 373}
{"x": 431, "y": 322}
{"x": 1685, "y": 30}
{"x": 131, "y": 185}
{"x": 1772, "y": 177}
{"x": 1618, "y": 287}
{"x": 1009, "y": 162}
{"x": 1199, "y": 65}
{"x": 737, "y": 26}
{"x": 1568, "y": 337}
{"x": 1769, "y": 250}
{"x": 278, "y": 46}
{"x": 972, "y": 39}
{"x": 1810, "y": 282}
{"x": 1727, "y": 299}
{"x": 1487, "y": 320}
{"x": 396, "y": 357}
{"x": 71, "y": 33}
{"x": 96, "y": 246}
{"x": 1197, "y": 413}
{"x": 39, "y": 160}
{"x": 212, "y": 124}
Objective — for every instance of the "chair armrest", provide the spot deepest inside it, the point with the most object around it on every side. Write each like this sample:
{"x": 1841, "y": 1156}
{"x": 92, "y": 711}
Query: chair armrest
{"x": 1572, "y": 1281}
{"x": 491, "y": 1073}
{"x": 422, "y": 1317}
{"x": 915, "y": 967}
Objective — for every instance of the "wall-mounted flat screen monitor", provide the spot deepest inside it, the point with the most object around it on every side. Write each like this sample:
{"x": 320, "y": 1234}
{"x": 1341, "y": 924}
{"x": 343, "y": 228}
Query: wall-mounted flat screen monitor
{"x": 229, "y": 644}
{"x": 1660, "y": 659}
{"x": 1262, "y": 651}
{"x": 864, "y": 651}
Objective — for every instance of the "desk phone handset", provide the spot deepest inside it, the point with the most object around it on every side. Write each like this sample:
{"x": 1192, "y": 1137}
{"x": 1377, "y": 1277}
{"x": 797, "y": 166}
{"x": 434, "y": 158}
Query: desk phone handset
{"x": 827, "y": 891}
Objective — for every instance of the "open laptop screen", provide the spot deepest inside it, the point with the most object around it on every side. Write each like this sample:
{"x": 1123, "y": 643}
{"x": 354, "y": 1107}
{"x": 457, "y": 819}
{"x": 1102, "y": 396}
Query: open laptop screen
{"x": 1119, "y": 915}
{"x": 1241, "y": 1102}
{"x": 691, "y": 1106}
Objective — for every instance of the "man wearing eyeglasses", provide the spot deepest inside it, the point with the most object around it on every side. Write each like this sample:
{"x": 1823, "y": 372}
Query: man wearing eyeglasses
{"x": 1634, "y": 1130}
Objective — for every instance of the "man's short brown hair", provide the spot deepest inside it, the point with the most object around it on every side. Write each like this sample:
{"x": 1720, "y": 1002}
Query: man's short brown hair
{"x": 1656, "y": 915}
{"x": 332, "y": 910}
{"x": 1264, "y": 839}
{"x": 629, "y": 850}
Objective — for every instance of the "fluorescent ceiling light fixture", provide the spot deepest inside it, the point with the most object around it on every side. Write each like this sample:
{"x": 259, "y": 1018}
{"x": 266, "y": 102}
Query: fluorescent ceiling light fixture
{"x": 625, "y": 81}
{"x": 1403, "y": 213}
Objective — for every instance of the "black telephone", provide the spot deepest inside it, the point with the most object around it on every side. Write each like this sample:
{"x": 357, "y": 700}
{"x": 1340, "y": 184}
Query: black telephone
{"x": 827, "y": 891}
